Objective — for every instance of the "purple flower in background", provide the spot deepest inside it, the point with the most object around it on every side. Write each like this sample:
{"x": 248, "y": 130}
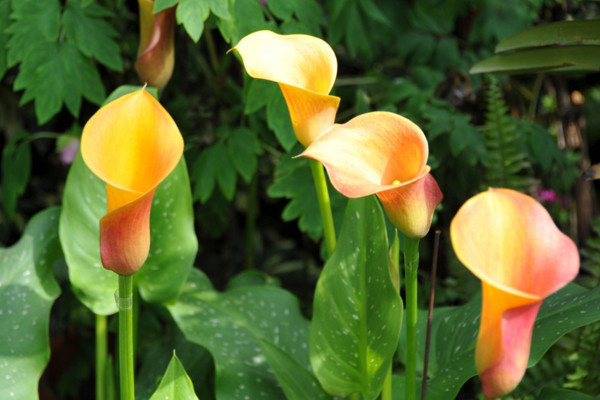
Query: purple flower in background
{"x": 548, "y": 195}
{"x": 68, "y": 153}
{"x": 263, "y": 2}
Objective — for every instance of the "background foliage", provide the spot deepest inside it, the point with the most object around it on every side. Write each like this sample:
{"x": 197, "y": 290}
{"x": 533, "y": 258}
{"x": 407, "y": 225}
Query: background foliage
{"x": 254, "y": 205}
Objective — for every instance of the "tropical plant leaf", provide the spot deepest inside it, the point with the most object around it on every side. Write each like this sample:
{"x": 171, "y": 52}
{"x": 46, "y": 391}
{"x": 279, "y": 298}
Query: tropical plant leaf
{"x": 556, "y": 33}
{"x": 27, "y": 291}
{"x": 175, "y": 383}
{"x": 16, "y": 169}
{"x": 575, "y": 58}
{"x": 230, "y": 326}
{"x": 173, "y": 242}
{"x": 357, "y": 311}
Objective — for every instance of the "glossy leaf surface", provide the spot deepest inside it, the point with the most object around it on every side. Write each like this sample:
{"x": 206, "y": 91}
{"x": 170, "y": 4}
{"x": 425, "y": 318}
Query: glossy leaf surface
{"x": 357, "y": 311}
{"x": 231, "y": 324}
{"x": 27, "y": 291}
{"x": 173, "y": 242}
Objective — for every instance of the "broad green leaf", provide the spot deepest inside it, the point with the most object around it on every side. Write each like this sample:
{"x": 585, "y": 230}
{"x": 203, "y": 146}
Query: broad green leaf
{"x": 297, "y": 382}
{"x": 252, "y": 277}
{"x": 4, "y": 21}
{"x": 27, "y": 291}
{"x": 563, "y": 394}
{"x": 293, "y": 180}
{"x": 282, "y": 9}
{"x": 175, "y": 383}
{"x": 357, "y": 311}
{"x": 230, "y": 326}
{"x": 244, "y": 148}
{"x": 57, "y": 73}
{"x": 556, "y": 33}
{"x": 192, "y": 14}
{"x": 16, "y": 169}
{"x": 173, "y": 242}
{"x": 548, "y": 59}
{"x": 454, "y": 335}
{"x": 33, "y": 23}
{"x": 94, "y": 36}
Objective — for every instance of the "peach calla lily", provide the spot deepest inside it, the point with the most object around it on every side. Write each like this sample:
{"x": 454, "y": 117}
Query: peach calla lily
{"x": 305, "y": 68}
{"x": 385, "y": 154}
{"x": 132, "y": 144}
{"x": 156, "y": 52}
{"x": 509, "y": 241}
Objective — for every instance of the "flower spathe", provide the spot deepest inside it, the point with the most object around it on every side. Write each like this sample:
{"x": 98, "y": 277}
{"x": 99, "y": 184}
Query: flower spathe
{"x": 132, "y": 144}
{"x": 305, "y": 68}
{"x": 385, "y": 154}
{"x": 156, "y": 51}
{"x": 509, "y": 241}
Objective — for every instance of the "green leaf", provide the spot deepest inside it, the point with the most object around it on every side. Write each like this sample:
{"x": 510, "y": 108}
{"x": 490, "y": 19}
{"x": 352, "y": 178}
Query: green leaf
{"x": 192, "y": 14}
{"x": 160, "y": 5}
{"x": 57, "y": 73}
{"x": 214, "y": 165}
{"x": 4, "y": 21}
{"x": 548, "y": 59}
{"x": 16, "y": 169}
{"x": 293, "y": 180}
{"x": 27, "y": 291}
{"x": 454, "y": 335}
{"x": 230, "y": 326}
{"x": 357, "y": 311}
{"x": 94, "y": 36}
{"x": 297, "y": 382}
{"x": 126, "y": 89}
{"x": 175, "y": 383}
{"x": 282, "y": 9}
{"x": 278, "y": 119}
{"x": 563, "y": 394}
{"x": 244, "y": 149}
{"x": 245, "y": 16}
{"x": 556, "y": 33}
{"x": 310, "y": 14}
{"x": 33, "y": 23}
{"x": 173, "y": 242}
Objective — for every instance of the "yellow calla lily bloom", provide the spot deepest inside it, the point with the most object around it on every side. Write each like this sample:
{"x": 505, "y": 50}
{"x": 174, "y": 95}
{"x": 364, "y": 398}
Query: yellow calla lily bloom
{"x": 509, "y": 241}
{"x": 305, "y": 68}
{"x": 156, "y": 52}
{"x": 132, "y": 144}
{"x": 385, "y": 154}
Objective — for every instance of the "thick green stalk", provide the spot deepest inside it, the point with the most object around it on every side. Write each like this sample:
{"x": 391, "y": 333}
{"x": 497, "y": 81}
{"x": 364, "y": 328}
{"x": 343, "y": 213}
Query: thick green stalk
{"x": 394, "y": 255}
{"x": 411, "y": 265}
{"x": 101, "y": 353}
{"x": 324, "y": 205}
{"x": 125, "y": 300}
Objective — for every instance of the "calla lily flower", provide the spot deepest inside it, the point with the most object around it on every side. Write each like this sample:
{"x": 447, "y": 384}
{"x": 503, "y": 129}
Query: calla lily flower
{"x": 305, "y": 68}
{"x": 385, "y": 154}
{"x": 132, "y": 144}
{"x": 509, "y": 241}
{"x": 156, "y": 52}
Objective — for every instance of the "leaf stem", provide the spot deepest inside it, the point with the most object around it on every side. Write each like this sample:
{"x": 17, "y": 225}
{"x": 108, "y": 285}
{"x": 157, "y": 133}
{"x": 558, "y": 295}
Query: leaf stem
{"x": 101, "y": 353}
{"x": 324, "y": 205}
{"x": 411, "y": 265}
{"x": 125, "y": 298}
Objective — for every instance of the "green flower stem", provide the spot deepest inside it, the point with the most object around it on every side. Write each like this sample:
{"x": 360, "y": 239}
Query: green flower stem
{"x": 324, "y": 205}
{"x": 126, "y": 337}
{"x": 411, "y": 265}
{"x": 101, "y": 353}
{"x": 386, "y": 393}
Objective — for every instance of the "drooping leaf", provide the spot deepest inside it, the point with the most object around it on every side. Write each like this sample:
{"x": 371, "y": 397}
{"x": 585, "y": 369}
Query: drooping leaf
{"x": 173, "y": 243}
{"x": 556, "y": 33}
{"x": 357, "y": 311}
{"x": 230, "y": 326}
{"x": 86, "y": 26}
{"x": 575, "y": 58}
{"x": 175, "y": 383}
{"x": 297, "y": 382}
{"x": 16, "y": 169}
{"x": 27, "y": 291}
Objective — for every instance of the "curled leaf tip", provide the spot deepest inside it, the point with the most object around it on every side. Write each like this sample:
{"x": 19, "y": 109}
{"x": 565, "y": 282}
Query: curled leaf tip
{"x": 509, "y": 241}
{"x": 132, "y": 144}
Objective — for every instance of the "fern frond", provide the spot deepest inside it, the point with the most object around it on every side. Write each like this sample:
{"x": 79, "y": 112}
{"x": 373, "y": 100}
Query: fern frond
{"x": 506, "y": 164}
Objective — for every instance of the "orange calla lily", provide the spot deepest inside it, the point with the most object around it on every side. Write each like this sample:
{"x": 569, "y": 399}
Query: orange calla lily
{"x": 132, "y": 144}
{"x": 509, "y": 241}
{"x": 385, "y": 154}
{"x": 305, "y": 68}
{"x": 156, "y": 52}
